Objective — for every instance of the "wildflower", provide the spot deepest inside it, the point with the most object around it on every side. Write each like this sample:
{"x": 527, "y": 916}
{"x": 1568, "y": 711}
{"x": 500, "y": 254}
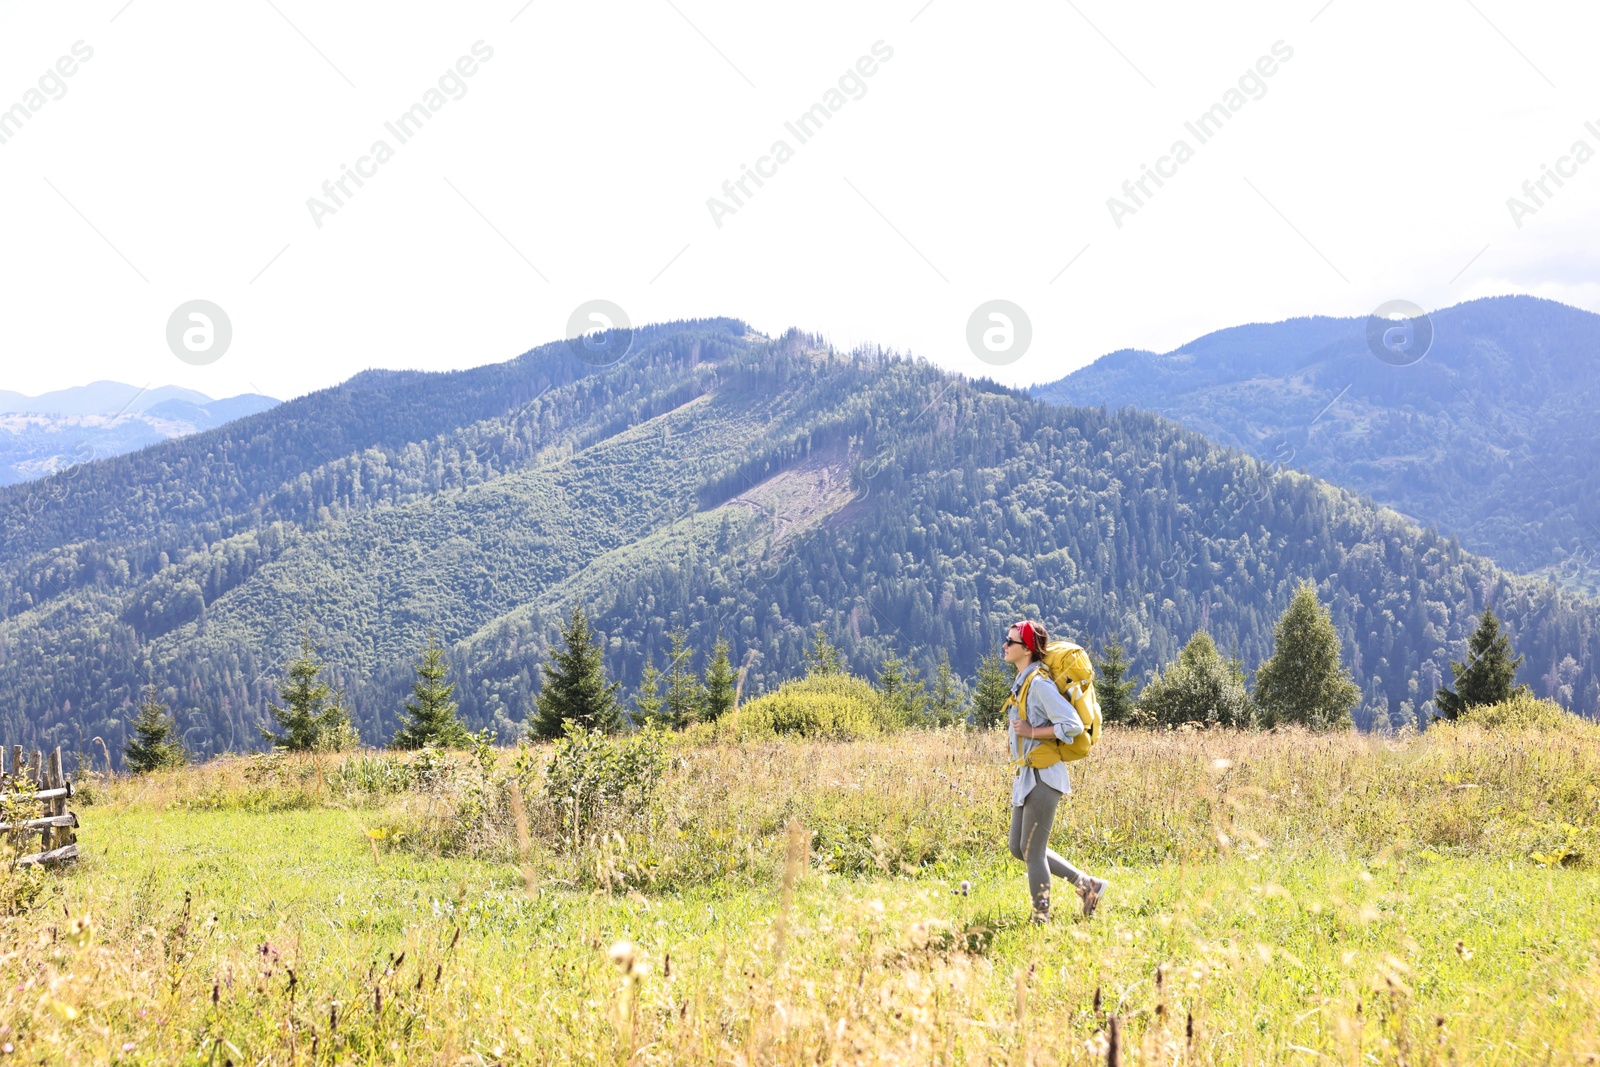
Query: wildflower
{"x": 630, "y": 959}
{"x": 81, "y": 931}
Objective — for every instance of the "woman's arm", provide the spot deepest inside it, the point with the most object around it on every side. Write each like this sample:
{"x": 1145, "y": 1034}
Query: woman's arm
{"x": 1065, "y": 723}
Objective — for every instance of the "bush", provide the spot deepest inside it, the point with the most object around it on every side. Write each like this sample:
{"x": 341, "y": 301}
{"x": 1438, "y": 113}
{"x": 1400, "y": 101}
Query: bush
{"x": 837, "y": 706}
{"x": 593, "y": 779}
{"x": 1522, "y": 712}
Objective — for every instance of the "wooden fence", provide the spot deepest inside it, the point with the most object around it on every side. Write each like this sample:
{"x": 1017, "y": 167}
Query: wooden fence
{"x": 48, "y": 788}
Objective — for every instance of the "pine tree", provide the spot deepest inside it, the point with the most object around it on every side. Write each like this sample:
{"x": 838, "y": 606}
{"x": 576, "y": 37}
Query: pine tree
{"x": 822, "y": 657}
{"x": 648, "y": 703}
{"x": 993, "y": 689}
{"x": 1303, "y": 681}
{"x": 903, "y": 692}
{"x": 891, "y": 676}
{"x": 155, "y": 744}
{"x": 720, "y": 682}
{"x": 945, "y": 706}
{"x": 312, "y": 716}
{"x": 1486, "y": 676}
{"x": 685, "y": 698}
{"x": 432, "y": 709}
{"x": 1113, "y": 688}
{"x": 575, "y": 685}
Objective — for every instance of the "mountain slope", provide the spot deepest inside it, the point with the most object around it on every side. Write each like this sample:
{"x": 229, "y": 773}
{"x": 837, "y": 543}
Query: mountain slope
{"x": 1490, "y": 436}
{"x": 718, "y": 481}
{"x": 41, "y": 435}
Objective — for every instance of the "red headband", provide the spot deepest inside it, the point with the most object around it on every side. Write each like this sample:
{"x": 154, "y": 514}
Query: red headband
{"x": 1025, "y": 629}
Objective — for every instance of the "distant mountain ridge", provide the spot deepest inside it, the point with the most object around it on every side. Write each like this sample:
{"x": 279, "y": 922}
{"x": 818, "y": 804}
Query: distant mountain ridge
{"x": 718, "y": 481}
{"x": 1490, "y": 436}
{"x": 40, "y": 435}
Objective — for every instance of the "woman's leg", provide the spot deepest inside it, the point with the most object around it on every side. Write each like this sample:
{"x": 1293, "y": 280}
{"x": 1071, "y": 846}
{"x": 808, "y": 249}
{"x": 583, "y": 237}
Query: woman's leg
{"x": 1062, "y": 869}
{"x": 1016, "y": 832}
{"x": 1033, "y": 820}
{"x": 1037, "y": 815}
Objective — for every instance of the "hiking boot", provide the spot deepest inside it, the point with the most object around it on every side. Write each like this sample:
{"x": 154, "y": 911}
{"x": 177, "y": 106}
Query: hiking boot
{"x": 1040, "y": 918}
{"x": 1091, "y": 894}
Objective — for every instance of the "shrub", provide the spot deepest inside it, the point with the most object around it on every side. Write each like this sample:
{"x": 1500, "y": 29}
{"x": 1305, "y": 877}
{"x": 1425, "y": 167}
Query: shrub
{"x": 20, "y": 887}
{"x": 371, "y": 773}
{"x": 837, "y": 706}
{"x": 593, "y": 778}
{"x": 1521, "y": 712}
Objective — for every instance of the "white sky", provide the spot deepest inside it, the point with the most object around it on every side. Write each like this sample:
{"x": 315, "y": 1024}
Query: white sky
{"x": 586, "y": 149}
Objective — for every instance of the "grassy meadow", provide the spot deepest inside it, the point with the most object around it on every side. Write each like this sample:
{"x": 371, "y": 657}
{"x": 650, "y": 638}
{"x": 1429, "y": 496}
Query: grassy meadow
{"x": 1275, "y": 898}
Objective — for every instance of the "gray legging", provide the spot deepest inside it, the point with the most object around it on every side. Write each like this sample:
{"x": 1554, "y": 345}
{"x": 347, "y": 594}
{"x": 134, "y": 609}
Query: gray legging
{"x": 1030, "y": 842}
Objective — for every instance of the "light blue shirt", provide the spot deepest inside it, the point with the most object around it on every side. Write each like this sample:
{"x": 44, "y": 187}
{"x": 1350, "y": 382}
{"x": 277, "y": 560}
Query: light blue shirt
{"x": 1046, "y": 707}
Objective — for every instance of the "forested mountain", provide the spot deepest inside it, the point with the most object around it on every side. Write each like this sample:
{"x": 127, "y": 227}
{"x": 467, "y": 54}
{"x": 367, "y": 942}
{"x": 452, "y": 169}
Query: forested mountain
{"x": 40, "y": 435}
{"x": 1489, "y": 436}
{"x": 715, "y": 480}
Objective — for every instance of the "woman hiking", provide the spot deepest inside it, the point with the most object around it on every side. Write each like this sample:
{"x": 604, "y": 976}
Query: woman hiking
{"x": 1035, "y": 793}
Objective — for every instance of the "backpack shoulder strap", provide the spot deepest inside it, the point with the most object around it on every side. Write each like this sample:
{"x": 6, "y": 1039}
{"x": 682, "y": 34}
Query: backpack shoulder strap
{"x": 1022, "y": 692}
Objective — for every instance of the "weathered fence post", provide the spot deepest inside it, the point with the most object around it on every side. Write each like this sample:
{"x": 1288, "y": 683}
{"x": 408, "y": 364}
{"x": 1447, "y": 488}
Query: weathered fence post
{"x": 58, "y": 834}
{"x": 46, "y": 832}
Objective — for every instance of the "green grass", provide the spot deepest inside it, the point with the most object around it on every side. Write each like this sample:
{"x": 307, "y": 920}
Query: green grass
{"x": 1408, "y": 953}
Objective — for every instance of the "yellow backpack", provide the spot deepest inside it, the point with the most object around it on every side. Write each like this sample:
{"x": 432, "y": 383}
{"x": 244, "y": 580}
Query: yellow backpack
{"x": 1069, "y": 668}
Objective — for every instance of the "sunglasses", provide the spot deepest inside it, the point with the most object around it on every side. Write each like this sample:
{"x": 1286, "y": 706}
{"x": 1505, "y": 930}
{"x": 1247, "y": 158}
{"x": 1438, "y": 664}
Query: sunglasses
{"x": 1012, "y": 641}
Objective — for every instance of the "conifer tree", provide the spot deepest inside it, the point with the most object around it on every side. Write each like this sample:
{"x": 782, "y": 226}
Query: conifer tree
{"x": 993, "y": 689}
{"x": 155, "y": 744}
{"x": 648, "y": 703}
{"x": 945, "y": 705}
{"x": 720, "y": 682}
{"x": 1303, "y": 682}
{"x": 575, "y": 685}
{"x": 1486, "y": 676}
{"x": 312, "y": 715}
{"x": 1200, "y": 687}
{"x": 685, "y": 696}
{"x": 891, "y": 676}
{"x": 822, "y": 657}
{"x": 1113, "y": 688}
{"x": 903, "y": 692}
{"x": 431, "y": 707}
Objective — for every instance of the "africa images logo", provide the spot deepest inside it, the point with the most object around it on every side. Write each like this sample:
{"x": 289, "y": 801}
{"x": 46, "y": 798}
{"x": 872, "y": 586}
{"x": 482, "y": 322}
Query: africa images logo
{"x": 1399, "y": 333}
{"x": 851, "y": 85}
